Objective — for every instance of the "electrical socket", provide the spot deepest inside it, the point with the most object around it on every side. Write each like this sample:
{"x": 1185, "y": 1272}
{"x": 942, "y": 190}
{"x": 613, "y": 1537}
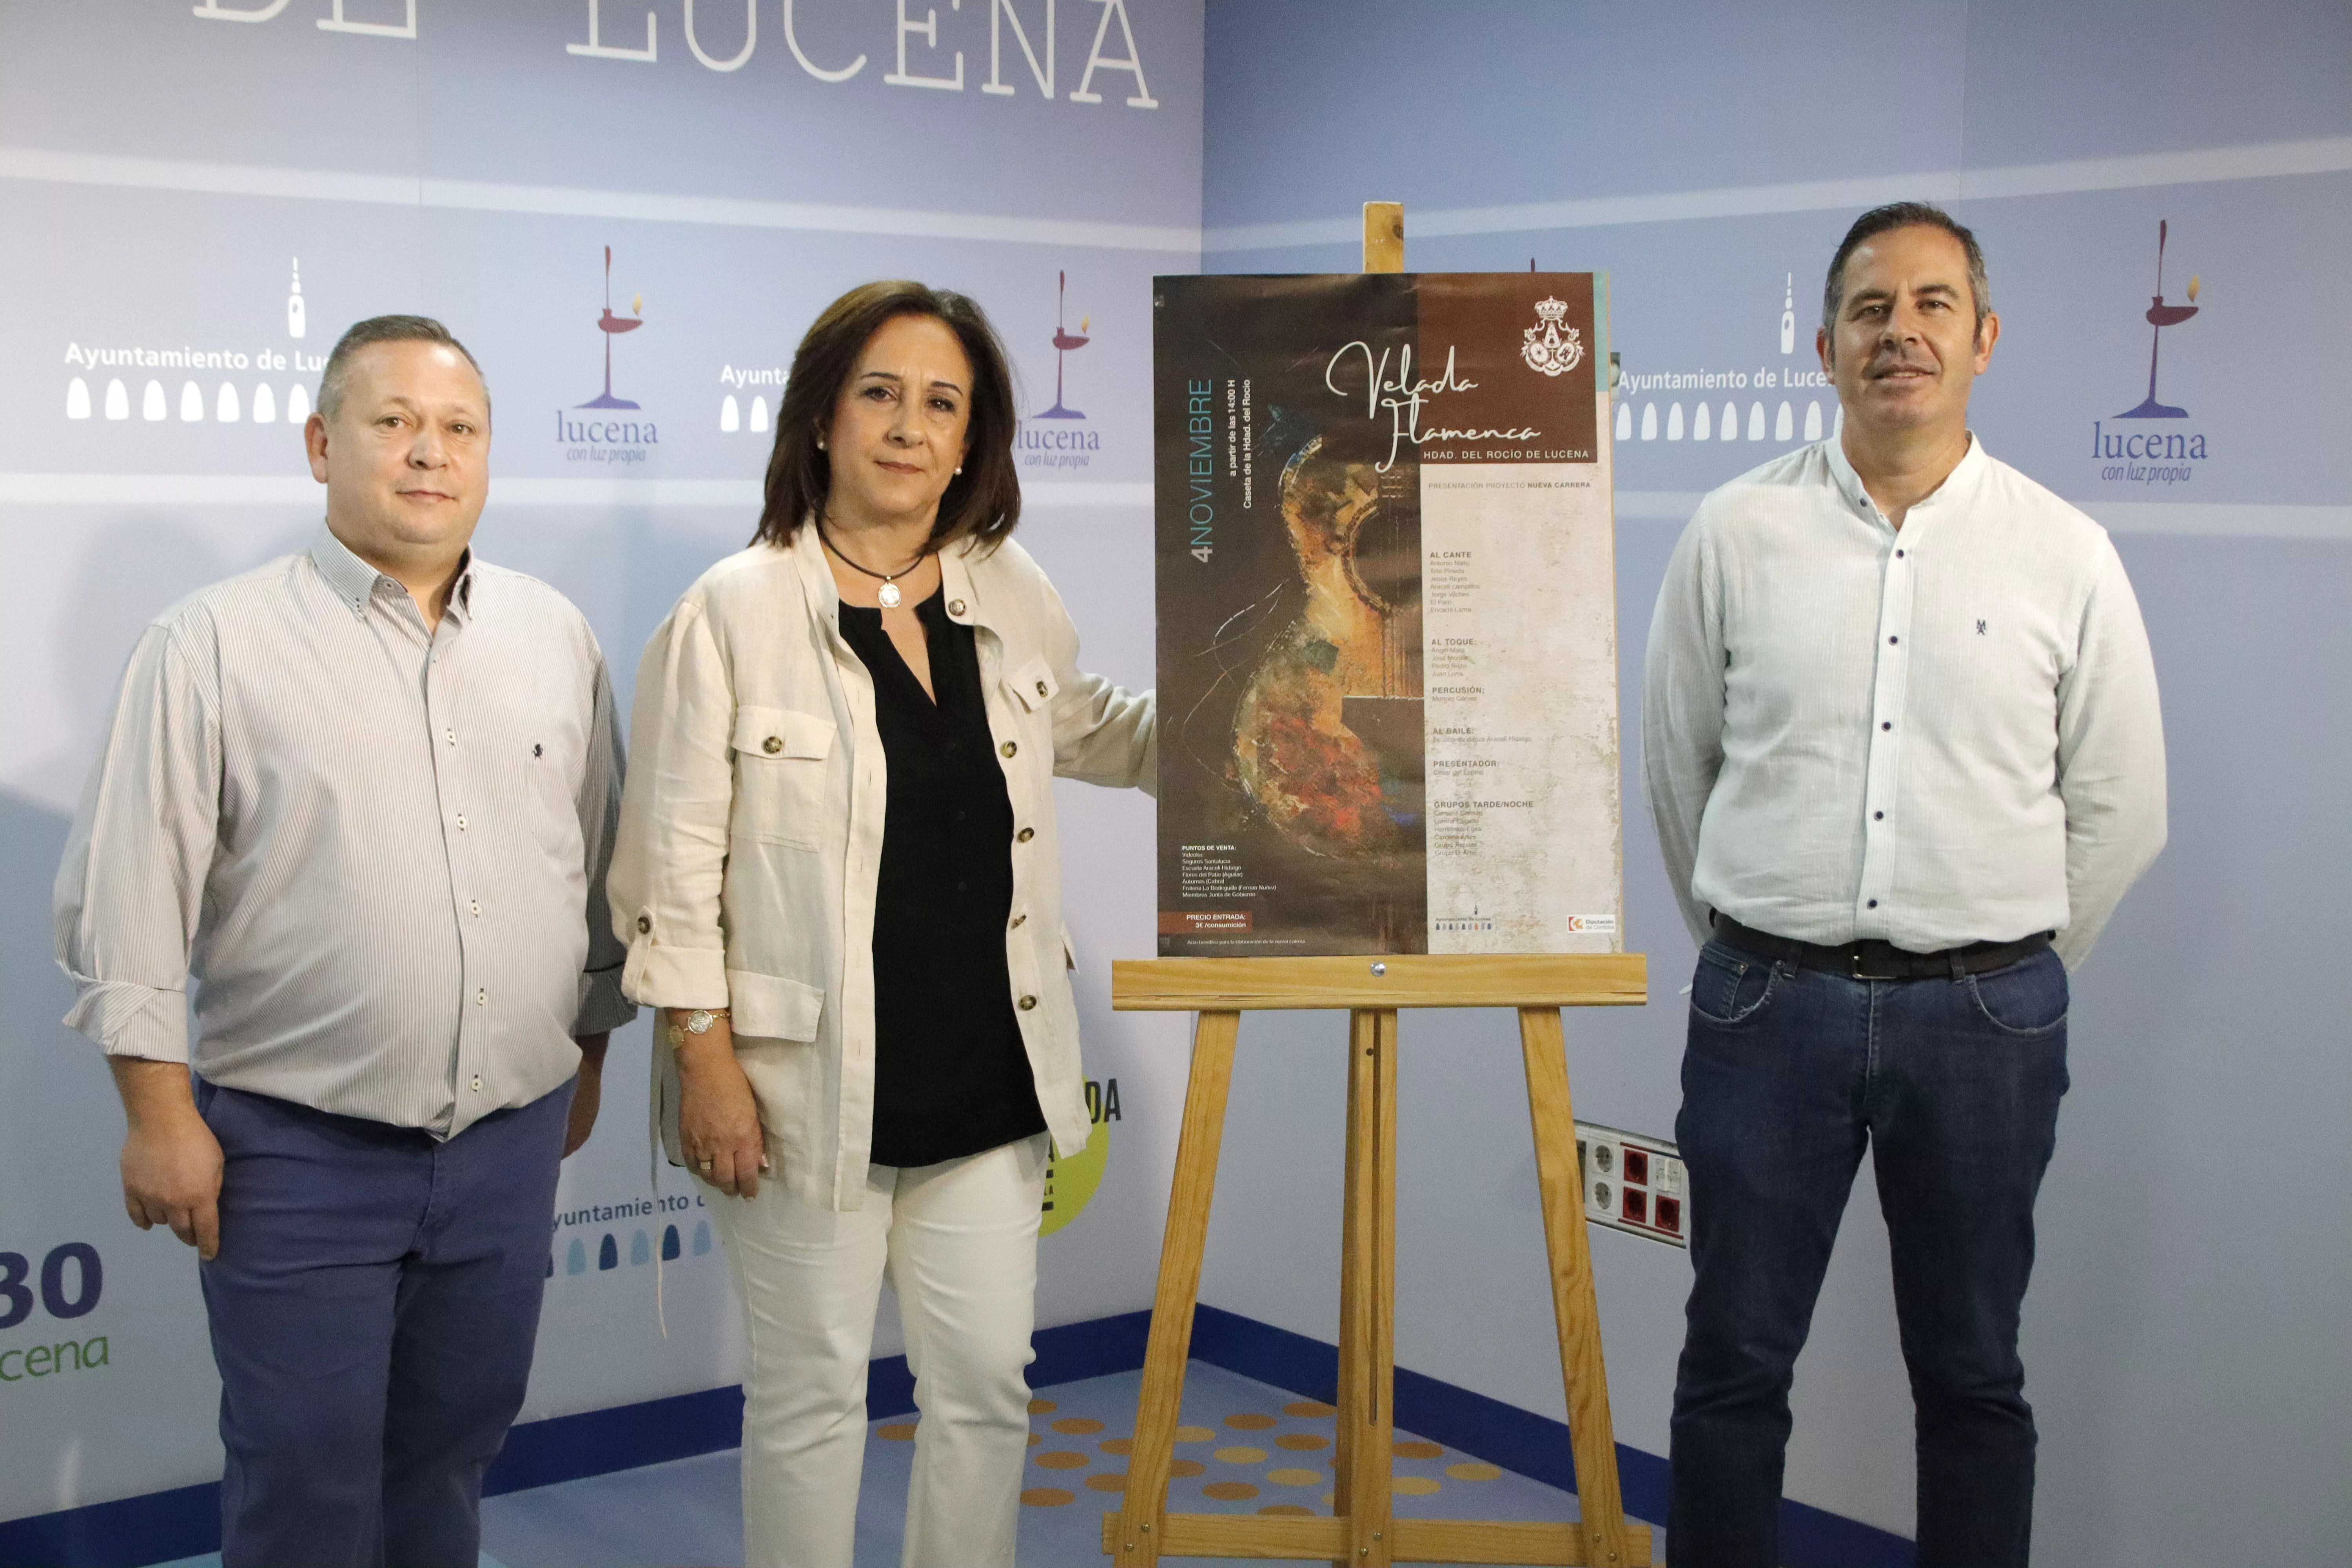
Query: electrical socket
{"x": 1633, "y": 1182}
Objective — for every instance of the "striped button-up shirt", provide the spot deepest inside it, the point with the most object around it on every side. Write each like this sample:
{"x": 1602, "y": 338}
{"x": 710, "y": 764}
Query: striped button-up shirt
{"x": 379, "y": 849}
{"x": 1932, "y": 736}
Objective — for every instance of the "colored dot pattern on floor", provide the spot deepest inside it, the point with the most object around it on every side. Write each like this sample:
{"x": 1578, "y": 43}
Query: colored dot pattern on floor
{"x": 1243, "y": 1448}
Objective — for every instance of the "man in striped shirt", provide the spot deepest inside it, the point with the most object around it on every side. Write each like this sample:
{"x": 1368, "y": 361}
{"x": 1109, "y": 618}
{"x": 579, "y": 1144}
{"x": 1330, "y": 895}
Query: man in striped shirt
{"x": 1900, "y": 731}
{"x": 365, "y": 795}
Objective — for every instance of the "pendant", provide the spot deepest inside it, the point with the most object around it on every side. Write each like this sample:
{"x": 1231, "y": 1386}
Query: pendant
{"x": 888, "y": 595}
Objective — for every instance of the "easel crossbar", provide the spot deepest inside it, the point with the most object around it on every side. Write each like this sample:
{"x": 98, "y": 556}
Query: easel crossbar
{"x": 1402, "y": 980}
{"x": 1415, "y": 1540}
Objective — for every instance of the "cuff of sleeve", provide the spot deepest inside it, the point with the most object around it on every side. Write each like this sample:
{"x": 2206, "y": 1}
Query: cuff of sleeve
{"x": 674, "y": 976}
{"x": 128, "y": 1019}
{"x": 601, "y": 1007}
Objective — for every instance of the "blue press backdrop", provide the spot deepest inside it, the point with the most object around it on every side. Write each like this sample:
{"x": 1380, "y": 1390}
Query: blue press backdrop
{"x": 163, "y": 168}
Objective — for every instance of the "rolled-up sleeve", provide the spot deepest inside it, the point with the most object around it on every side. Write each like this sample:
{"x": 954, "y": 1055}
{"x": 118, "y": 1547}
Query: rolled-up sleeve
{"x": 669, "y": 859}
{"x": 132, "y": 885}
{"x": 602, "y": 1006}
{"x": 1682, "y": 713}
{"x": 2110, "y": 759}
{"x": 1103, "y": 733}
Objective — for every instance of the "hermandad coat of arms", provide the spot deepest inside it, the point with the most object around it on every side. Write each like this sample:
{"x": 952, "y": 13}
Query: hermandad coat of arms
{"x": 1550, "y": 346}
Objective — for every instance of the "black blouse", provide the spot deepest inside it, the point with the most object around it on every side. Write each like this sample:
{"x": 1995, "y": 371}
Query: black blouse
{"x": 950, "y": 1075}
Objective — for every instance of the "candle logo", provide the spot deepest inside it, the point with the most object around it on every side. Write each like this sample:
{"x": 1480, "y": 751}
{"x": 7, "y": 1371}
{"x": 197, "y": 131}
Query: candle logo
{"x": 612, "y": 326}
{"x": 583, "y": 431}
{"x": 1064, "y": 342}
{"x": 1060, "y": 438}
{"x": 2155, "y": 458}
{"x": 2160, "y": 316}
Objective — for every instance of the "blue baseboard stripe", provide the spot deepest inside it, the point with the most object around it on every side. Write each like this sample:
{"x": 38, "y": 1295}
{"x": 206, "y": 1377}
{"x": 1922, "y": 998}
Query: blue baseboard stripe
{"x": 183, "y": 1522}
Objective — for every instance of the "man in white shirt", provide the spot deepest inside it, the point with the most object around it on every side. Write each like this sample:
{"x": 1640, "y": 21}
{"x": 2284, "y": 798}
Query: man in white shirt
{"x": 366, "y": 795}
{"x": 1902, "y": 745}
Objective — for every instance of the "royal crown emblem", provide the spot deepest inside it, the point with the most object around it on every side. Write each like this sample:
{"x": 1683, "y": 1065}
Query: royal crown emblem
{"x": 1551, "y": 346}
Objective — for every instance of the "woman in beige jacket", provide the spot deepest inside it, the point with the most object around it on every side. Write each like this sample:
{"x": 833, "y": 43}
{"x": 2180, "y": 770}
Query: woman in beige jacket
{"x": 838, "y": 877}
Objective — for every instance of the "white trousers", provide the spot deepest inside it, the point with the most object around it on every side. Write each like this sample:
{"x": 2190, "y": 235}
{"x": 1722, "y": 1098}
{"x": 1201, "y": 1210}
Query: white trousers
{"x": 959, "y": 1241}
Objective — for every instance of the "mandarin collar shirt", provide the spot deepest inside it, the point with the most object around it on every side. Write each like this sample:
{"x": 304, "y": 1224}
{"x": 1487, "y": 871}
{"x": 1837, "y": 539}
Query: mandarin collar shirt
{"x": 1933, "y": 735}
{"x": 379, "y": 848}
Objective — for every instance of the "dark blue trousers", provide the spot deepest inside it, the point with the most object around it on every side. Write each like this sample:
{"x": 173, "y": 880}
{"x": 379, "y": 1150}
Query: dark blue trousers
{"x": 374, "y": 1307}
{"x": 1954, "y": 1085}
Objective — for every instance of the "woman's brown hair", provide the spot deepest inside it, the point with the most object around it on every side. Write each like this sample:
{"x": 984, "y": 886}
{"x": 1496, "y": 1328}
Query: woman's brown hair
{"x": 983, "y": 502}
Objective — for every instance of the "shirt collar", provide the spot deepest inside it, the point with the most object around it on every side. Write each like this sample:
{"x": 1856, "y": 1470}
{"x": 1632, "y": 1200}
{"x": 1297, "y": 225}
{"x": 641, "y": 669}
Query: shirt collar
{"x": 355, "y": 582}
{"x": 1958, "y": 484}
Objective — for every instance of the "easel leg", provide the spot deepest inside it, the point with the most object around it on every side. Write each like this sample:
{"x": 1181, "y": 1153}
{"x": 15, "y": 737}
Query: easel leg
{"x": 1590, "y": 1436}
{"x": 1368, "y": 1292}
{"x": 1141, "y": 1521}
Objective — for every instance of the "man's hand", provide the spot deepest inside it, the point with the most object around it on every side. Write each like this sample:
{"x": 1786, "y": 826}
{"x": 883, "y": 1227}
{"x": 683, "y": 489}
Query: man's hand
{"x": 719, "y": 1117}
{"x": 171, "y": 1160}
{"x": 588, "y": 1093}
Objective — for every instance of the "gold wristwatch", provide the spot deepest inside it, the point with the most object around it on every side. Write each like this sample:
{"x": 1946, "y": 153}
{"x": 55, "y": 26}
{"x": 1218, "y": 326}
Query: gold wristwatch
{"x": 697, "y": 1021}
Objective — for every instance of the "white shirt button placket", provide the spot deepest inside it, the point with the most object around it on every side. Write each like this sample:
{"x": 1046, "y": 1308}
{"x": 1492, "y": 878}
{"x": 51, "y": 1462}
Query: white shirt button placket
{"x": 1897, "y": 572}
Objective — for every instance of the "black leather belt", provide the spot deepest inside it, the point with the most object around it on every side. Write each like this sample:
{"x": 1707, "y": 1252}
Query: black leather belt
{"x": 1878, "y": 959}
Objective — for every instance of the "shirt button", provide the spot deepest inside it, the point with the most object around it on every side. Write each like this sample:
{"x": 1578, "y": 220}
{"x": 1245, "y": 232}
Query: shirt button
{"x": 482, "y": 997}
{"x": 959, "y": 816}
{"x": 1041, "y": 688}
{"x": 1007, "y": 749}
{"x": 645, "y": 924}
{"x": 962, "y": 887}
{"x": 1877, "y": 816}
{"x": 478, "y": 1083}
{"x": 461, "y": 822}
{"x": 1872, "y": 904}
{"x": 453, "y": 736}
{"x": 1025, "y": 835}
{"x": 1027, "y": 1003}
{"x": 955, "y": 606}
{"x": 772, "y": 744}
{"x": 1017, "y": 921}
{"x": 1894, "y": 639}
{"x": 1886, "y": 724}
{"x": 1898, "y": 555}
{"x": 475, "y": 905}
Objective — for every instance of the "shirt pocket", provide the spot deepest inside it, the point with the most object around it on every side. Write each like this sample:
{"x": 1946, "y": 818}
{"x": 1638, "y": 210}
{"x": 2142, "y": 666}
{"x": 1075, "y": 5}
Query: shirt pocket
{"x": 781, "y": 766}
{"x": 555, "y": 808}
{"x": 1033, "y": 687}
{"x": 770, "y": 1007}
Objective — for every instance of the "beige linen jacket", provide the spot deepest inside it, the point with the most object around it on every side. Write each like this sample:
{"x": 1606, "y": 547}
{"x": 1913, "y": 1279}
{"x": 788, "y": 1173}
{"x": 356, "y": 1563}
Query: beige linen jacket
{"x": 750, "y": 837}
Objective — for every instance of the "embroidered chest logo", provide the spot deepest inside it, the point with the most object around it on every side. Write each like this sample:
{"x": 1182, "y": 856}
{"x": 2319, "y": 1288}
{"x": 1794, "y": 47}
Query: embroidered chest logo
{"x": 1980, "y": 628}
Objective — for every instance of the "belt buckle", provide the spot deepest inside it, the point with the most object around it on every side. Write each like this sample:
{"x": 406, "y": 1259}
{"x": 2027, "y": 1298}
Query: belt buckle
{"x": 1858, "y": 973}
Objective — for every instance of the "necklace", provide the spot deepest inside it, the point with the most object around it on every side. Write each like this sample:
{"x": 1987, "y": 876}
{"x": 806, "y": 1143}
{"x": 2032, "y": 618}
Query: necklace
{"x": 887, "y": 595}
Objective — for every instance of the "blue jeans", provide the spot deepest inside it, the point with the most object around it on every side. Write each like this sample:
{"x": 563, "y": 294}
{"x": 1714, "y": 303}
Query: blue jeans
{"x": 373, "y": 1309}
{"x": 1955, "y": 1085}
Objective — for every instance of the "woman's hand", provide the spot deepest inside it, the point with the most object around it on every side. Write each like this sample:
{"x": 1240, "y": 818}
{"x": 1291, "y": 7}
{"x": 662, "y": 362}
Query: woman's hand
{"x": 719, "y": 1118}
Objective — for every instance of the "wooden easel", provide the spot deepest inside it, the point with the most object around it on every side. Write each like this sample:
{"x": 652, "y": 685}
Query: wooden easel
{"x": 1361, "y": 1532}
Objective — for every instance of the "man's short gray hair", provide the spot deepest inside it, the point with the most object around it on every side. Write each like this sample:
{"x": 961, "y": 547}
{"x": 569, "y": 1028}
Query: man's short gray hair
{"x": 1905, "y": 215}
{"x": 382, "y": 330}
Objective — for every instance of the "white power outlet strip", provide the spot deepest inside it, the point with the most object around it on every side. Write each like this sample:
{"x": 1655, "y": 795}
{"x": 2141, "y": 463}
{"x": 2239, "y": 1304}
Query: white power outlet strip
{"x": 1633, "y": 1182}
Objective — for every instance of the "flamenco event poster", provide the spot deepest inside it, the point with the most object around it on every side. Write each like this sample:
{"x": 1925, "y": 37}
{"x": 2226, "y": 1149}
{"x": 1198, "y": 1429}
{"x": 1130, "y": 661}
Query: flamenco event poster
{"x": 1387, "y": 638}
